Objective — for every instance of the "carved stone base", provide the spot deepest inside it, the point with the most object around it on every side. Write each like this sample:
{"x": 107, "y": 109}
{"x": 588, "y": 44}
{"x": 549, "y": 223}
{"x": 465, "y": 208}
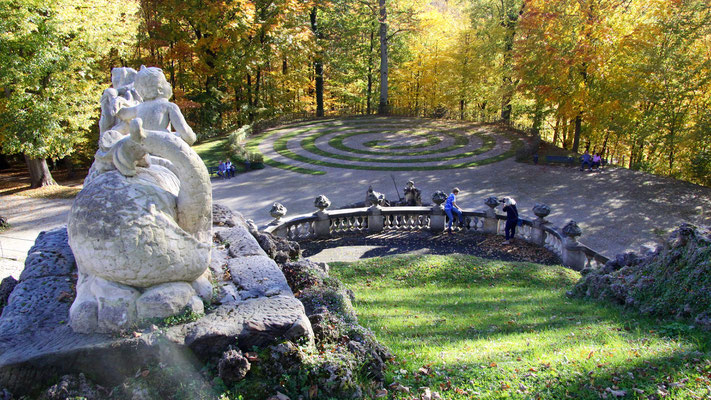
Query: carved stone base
{"x": 104, "y": 306}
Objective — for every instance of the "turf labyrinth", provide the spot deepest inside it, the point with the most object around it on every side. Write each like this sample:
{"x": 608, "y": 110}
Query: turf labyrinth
{"x": 383, "y": 144}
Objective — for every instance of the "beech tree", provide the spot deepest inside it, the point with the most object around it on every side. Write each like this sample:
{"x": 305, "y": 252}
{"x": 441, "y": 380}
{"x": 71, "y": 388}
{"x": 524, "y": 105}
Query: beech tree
{"x": 50, "y": 78}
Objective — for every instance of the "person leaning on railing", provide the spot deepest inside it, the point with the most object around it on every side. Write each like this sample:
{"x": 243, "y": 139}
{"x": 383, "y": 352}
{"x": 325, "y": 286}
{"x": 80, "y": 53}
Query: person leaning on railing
{"x": 511, "y": 218}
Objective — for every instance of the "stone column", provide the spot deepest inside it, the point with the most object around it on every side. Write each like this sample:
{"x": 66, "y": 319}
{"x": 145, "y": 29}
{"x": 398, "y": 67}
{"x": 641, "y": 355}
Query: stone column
{"x": 538, "y": 235}
{"x": 491, "y": 223}
{"x": 322, "y": 226}
{"x": 437, "y": 217}
{"x": 573, "y": 255}
{"x": 375, "y": 219}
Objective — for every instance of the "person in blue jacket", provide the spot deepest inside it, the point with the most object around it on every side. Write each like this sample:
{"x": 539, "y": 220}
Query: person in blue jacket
{"x": 511, "y": 218}
{"x": 451, "y": 208}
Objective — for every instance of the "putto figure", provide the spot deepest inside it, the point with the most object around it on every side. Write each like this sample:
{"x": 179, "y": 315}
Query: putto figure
{"x": 141, "y": 228}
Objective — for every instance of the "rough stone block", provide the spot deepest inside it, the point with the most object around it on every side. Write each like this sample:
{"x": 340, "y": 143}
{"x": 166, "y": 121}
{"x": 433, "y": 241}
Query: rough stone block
{"x": 117, "y": 305}
{"x": 255, "y": 322}
{"x": 37, "y": 304}
{"x": 241, "y": 242}
{"x": 164, "y": 300}
{"x": 50, "y": 256}
{"x": 257, "y": 276}
{"x": 203, "y": 286}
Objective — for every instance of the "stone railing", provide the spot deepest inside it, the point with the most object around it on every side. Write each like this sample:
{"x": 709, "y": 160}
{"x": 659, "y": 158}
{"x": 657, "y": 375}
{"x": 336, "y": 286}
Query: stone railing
{"x": 326, "y": 223}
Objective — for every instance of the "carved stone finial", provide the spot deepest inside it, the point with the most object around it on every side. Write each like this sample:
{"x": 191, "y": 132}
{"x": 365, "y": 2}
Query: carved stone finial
{"x": 541, "y": 210}
{"x": 322, "y": 202}
{"x": 572, "y": 230}
{"x": 439, "y": 197}
{"x": 413, "y": 195}
{"x": 278, "y": 210}
{"x": 492, "y": 201}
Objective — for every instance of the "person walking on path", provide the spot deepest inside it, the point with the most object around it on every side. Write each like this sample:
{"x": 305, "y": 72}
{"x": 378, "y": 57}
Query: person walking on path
{"x": 451, "y": 208}
{"x": 511, "y": 218}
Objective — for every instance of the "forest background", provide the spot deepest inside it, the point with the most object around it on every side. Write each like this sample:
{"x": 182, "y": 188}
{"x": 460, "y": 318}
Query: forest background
{"x": 629, "y": 79}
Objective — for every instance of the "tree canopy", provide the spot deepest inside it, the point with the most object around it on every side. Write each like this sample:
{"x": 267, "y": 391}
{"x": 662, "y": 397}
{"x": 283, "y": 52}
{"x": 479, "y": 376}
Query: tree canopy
{"x": 628, "y": 79}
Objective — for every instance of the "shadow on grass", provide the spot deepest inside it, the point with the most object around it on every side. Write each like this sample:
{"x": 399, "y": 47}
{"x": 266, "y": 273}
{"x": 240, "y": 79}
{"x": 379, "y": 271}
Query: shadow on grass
{"x": 506, "y": 330}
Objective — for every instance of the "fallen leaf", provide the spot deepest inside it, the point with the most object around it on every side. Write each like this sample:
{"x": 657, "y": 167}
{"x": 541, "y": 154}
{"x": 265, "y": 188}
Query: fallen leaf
{"x": 617, "y": 393}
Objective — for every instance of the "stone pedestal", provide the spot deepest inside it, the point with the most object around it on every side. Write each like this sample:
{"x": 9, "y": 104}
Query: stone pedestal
{"x": 491, "y": 223}
{"x": 322, "y": 226}
{"x": 375, "y": 219}
{"x": 437, "y": 219}
{"x": 573, "y": 256}
{"x": 538, "y": 235}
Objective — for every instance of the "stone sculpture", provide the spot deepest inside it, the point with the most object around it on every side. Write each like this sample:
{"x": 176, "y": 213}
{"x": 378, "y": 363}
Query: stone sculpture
{"x": 277, "y": 211}
{"x": 141, "y": 228}
{"x": 439, "y": 197}
{"x": 413, "y": 196}
{"x": 373, "y": 198}
{"x": 322, "y": 202}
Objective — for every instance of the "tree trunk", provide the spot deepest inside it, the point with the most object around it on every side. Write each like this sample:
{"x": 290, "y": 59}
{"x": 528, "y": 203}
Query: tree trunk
{"x": 576, "y": 138}
{"x": 369, "y": 107}
{"x": 383, "y": 105}
{"x": 250, "y": 112}
{"x": 537, "y": 120}
{"x": 39, "y": 172}
{"x": 555, "y": 130}
{"x": 318, "y": 65}
{"x": 564, "y": 139}
{"x": 69, "y": 165}
{"x": 508, "y": 22}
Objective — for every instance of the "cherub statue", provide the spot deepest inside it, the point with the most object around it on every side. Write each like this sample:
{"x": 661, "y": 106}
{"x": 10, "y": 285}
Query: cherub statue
{"x": 141, "y": 227}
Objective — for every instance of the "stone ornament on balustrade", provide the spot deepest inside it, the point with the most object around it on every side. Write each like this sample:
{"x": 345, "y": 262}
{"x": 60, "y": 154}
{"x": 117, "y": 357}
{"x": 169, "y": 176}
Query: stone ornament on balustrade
{"x": 541, "y": 211}
{"x": 439, "y": 197}
{"x": 322, "y": 202}
{"x": 278, "y": 211}
{"x": 326, "y": 223}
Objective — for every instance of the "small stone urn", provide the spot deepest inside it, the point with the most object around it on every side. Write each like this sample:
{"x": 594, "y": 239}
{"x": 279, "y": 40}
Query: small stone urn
{"x": 439, "y": 197}
{"x": 492, "y": 202}
{"x": 541, "y": 211}
{"x": 571, "y": 231}
{"x": 278, "y": 210}
{"x": 322, "y": 202}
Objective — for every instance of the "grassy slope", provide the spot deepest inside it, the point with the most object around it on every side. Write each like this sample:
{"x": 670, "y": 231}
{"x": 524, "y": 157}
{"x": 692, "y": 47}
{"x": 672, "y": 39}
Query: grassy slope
{"x": 212, "y": 151}
{"x": 506, "y": 330}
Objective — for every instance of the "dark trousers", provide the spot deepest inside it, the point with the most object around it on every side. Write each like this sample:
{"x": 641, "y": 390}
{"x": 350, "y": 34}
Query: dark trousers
{"x": 510, "y": 229}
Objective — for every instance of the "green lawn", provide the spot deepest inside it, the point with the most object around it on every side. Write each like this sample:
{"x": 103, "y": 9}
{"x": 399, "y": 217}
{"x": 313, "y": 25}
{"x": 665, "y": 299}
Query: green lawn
{"x": 212, "y": 151}
{"x": 473, "y": 328}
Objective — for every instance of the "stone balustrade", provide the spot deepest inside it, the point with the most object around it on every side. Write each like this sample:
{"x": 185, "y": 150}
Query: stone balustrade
{"x": 326, "y": 223}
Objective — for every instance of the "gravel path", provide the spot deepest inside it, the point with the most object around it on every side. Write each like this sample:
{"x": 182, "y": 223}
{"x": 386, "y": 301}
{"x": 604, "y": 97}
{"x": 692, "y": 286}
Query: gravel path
{"x": 617, "y": 209}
